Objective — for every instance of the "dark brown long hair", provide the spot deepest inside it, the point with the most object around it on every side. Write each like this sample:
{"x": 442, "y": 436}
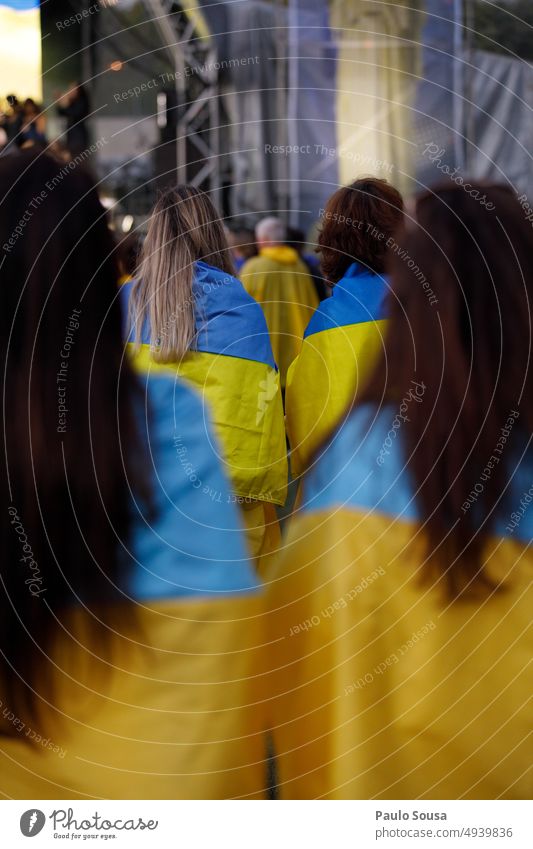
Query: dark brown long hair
{"x": 357, "y": 222}
{"x": 460, "y": 323}
{"x": 68, "y": 427}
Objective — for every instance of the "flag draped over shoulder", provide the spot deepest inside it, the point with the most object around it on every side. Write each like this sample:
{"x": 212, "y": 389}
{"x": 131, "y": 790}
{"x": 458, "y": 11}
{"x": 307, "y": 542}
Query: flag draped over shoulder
{"x": 380, "y": 686}
{"x": 280, "y": 281}
{"x": 233, "y": 366}
{"x": 340, "y": 347}
{"x": 176, "y": 713}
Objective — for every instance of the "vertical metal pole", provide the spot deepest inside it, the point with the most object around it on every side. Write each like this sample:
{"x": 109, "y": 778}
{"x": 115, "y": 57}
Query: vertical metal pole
{"x": 292, "y": 114}
{"x": 214, "y": 140}
{"x": 458, "y": 83}
{"x": 160, "y": 13}
{"x": 86, "y": 44}
{"x": 280, "y": 169}
{"x": 468, "y": 112}
{"x": 181, "y": 138}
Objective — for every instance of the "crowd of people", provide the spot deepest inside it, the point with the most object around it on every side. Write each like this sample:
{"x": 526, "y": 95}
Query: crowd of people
{"x": 23, "y": 124}
{"x": 162, "y": 636}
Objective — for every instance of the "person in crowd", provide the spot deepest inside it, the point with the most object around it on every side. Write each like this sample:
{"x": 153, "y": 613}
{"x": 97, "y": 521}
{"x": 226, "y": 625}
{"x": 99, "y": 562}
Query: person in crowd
{"x": 243, "y": 246}
{"x": 188, "y": 310}
{"x": 11, "y": 120}
{"x": 75, "y": 107}
{"x": 33, "y": 126}
{"x": 279, "y": 280}
{"x": 124, "y": 669}
{"x": 346, "y": 332}
{"x": 296, "y": 239}
{"x": 402, "y": 601}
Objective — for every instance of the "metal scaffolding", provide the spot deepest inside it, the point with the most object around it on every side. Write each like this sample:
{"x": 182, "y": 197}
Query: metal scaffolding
{"x": 195, "y": 77}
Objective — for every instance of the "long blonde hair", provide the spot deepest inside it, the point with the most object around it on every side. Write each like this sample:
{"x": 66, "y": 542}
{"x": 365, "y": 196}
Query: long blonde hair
{"x": 184, "y": 227}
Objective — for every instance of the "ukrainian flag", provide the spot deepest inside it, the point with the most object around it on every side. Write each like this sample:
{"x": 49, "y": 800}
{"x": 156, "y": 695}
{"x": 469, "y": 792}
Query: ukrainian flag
{"x": 340, "y": 346}
{"x": 380, "y": 686}
{"x": 175, "y": 711}
{"x": 280, "y": 281}
{"x": 233, "y": 367}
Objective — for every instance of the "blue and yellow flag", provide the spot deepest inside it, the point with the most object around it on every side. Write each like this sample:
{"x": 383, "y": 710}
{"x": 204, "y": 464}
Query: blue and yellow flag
{"x": 233, "y": 367}
{"x": 340, "y": 347}
{"x": 381, "y": 687}
{"x": 280, "y": 281}
{"x": 174, "y": 711}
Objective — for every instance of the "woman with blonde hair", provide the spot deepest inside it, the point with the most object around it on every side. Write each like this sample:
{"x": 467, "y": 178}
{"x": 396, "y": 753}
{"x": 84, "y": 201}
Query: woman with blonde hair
{"x": 188, "y": 312}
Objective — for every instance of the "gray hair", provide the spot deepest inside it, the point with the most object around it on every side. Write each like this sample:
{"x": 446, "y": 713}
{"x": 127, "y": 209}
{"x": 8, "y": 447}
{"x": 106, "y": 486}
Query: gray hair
{"x": 271, "y": 230}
